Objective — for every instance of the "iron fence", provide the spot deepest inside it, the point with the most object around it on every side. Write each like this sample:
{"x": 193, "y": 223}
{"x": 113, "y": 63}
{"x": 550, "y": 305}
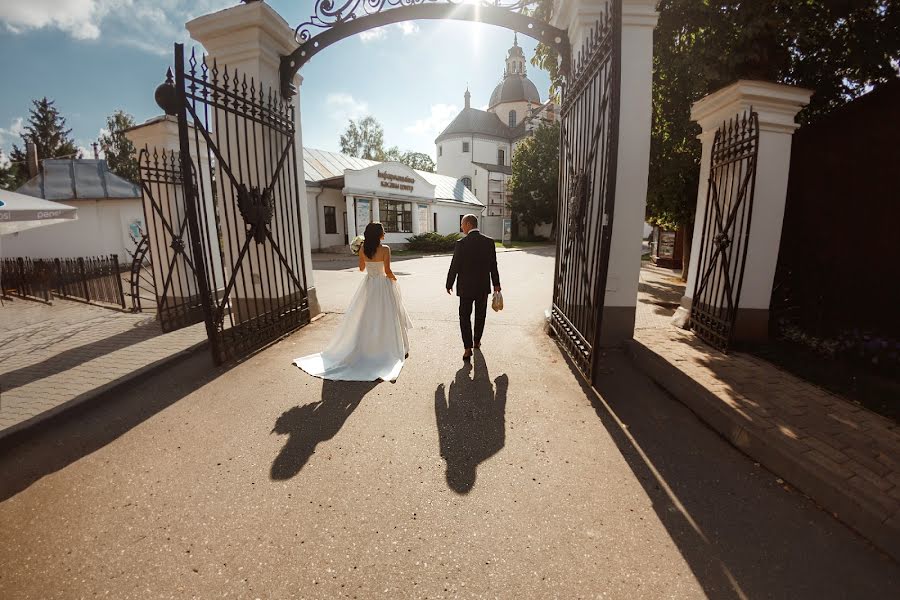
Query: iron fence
{"x": 91, "y": 279}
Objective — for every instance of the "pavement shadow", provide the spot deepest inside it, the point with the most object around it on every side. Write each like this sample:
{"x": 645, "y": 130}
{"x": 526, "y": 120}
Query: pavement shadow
{"x": 742, "y": 534}
{"x": 471, "y": 421}
{"x": 68, "y": 436}
{"x": 69, "y": 359}
{"x": 308, "y": 425}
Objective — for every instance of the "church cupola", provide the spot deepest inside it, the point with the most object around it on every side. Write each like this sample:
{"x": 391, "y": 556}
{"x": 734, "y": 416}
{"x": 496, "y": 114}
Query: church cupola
{"x": 515, "y": 61}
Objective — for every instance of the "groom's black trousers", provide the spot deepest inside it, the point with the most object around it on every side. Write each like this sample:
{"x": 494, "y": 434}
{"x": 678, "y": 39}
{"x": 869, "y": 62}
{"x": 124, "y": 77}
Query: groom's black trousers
{"x": 465, "y": 318}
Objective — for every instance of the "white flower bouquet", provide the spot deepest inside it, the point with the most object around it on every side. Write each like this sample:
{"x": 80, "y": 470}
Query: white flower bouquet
{"x": 356, "y": 244}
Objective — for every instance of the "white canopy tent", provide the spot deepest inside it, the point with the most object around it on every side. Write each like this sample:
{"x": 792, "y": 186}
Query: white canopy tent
{"x": 19, "y": 212}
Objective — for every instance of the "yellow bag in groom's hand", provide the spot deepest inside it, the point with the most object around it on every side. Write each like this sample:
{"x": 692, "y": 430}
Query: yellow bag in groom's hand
{"x": 497, "y": 302}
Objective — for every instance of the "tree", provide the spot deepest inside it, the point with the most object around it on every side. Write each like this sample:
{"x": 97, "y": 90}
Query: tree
{"x": 118, "y": 149}
{"x": 7, "y": 173}
{"x": 533, "y": 187}
{"x": 840, "y": 49}
{"x": 47, "y": 130}
{"x": 418, "y": 160}
{"x": 363, "y": 139}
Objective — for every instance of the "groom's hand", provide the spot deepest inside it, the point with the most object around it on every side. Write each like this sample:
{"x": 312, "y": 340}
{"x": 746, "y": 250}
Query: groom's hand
{"x": 449, "y": 291}
{"x": 496, "y": 288}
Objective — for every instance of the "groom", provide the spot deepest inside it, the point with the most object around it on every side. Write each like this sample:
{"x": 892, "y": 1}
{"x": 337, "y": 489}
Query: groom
{"x": 474, "y": 268}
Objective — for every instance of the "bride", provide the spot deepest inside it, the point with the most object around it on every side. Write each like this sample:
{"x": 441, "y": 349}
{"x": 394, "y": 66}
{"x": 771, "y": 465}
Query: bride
{"x": 372, "y": 341}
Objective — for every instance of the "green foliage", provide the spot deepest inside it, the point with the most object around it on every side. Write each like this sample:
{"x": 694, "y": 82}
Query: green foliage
{"x": 7, "y": 173}
{"x": 533, "y": 187}
{"x": 546, "y": 57}
{"x": 432, "y": 242}
{"x": 418, "y": 160}
{"x": 364, "y": 139}
{"x": 118, "y": 149}
{"x": 837, "y": 48}
{"x": 47, "y": 129}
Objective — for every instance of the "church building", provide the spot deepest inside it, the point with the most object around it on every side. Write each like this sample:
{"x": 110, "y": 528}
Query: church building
{"x": 477, "y": 146}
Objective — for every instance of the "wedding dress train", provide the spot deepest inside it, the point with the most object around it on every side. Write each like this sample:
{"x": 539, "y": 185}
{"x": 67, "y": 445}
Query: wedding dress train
{"x": 372, "y": 341}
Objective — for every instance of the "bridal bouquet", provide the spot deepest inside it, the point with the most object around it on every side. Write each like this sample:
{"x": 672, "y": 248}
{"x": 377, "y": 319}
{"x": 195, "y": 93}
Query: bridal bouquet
{"x": 356, "y": 244}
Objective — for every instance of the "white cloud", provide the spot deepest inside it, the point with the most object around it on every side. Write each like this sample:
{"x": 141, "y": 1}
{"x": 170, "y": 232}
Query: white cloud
{"x": 373, "y": 35}
{"x": 343, "y": 106}
{"x": 12, "y": 134}
{"x": 148, "y": 25}
{"x": 381, "y": 33}
{"x": 435, "y": 123}
{"x": 408, "y": 28}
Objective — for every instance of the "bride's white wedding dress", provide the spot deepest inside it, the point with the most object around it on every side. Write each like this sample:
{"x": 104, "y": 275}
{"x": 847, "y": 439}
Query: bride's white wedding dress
{"x": 372, "y": 341}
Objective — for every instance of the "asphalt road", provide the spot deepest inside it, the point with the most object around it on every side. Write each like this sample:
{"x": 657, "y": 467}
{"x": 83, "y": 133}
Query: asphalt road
{"x": 507, "y": 480}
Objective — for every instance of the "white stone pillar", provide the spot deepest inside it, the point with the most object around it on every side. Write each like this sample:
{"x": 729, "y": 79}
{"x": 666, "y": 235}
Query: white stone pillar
{"x": 160, "y": 135}
{"x": 639, "y": 18}
{"x": 777, "y": 106}
{"x": 250, "y": 39}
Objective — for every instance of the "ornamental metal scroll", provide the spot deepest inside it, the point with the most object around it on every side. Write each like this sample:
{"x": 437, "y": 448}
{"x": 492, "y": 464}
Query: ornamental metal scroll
{"x": 334, "y": 20}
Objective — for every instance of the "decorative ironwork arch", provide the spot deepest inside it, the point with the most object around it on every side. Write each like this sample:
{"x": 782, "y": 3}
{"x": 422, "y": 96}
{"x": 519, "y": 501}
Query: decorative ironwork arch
{"x": 339, "y": 19}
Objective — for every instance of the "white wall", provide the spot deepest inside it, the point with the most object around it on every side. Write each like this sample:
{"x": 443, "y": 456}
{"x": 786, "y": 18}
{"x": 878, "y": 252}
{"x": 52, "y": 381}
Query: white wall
{"x": 448, "y": 216}
{"x": 502, "y": 111}
{"x": 102, "y": 228}
{"x": 316, "y": 216}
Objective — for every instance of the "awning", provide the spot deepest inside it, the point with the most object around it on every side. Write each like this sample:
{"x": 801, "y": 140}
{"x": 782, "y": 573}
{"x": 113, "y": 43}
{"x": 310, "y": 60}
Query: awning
{"x": 19, "y": 212}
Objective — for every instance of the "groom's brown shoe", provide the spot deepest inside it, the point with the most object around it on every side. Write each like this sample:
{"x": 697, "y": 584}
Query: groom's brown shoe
{"x": 467, "y": 355}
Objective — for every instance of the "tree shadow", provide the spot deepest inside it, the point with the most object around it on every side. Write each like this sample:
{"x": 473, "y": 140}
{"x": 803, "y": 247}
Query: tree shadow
{"x": 308, "y": 425}
{"x": 471, "y": 422}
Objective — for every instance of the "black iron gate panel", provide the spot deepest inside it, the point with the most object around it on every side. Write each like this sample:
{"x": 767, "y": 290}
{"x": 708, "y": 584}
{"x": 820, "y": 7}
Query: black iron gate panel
{"x": 589, "y": 134}
{"x": 173, "y": 274}
{"x": 726, "y": 229}
{"x": 244, "y": 209}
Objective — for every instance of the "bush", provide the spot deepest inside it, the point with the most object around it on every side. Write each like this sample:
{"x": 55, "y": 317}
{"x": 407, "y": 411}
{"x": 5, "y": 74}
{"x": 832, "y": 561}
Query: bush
{"x": 432, "y": 242}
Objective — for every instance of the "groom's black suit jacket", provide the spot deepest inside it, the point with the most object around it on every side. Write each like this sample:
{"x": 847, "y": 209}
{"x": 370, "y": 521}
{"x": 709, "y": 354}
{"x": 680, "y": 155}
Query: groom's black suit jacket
{"x": 474, "y": 266}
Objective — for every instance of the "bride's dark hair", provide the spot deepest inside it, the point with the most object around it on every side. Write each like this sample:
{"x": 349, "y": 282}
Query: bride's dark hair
{"x": 373, "y": 234}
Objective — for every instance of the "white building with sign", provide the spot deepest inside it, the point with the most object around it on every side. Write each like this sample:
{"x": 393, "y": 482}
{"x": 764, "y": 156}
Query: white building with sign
{"x": 346, "y": 194}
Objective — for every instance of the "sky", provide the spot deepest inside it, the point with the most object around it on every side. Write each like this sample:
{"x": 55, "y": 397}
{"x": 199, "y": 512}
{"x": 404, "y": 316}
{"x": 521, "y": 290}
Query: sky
{"x": 95, "y": 56}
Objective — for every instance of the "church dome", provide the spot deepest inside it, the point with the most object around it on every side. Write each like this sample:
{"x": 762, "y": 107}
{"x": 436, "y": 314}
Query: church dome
{"x": 515, "y": 88}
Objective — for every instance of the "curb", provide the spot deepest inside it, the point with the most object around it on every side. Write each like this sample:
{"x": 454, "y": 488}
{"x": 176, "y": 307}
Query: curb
{"x": 15, "y": 435}
{"x": 830, "y": 492}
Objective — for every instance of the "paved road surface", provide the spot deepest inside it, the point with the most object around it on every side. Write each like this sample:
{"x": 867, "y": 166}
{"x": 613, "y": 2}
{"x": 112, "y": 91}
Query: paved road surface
{"x": 507, "y": 481}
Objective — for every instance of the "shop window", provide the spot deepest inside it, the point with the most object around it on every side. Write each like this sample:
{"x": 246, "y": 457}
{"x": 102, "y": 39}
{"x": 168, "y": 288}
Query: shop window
{"x": 396, "y": 216}
{"x": 330, "y": 220}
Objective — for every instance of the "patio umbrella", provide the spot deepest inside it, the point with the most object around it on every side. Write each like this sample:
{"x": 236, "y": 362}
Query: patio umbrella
{"x": 19, "y": 212}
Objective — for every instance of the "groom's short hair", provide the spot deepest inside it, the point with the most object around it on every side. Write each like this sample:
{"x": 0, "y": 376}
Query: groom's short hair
{"x": 471, "y": 220}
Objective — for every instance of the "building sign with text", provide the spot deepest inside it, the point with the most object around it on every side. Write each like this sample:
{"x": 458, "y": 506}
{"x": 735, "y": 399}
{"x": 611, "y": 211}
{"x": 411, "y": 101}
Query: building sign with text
{"x": 397, "y": 182}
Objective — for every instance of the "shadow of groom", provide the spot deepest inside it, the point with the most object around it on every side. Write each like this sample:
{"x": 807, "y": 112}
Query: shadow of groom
{"x": 316, "y": 422}
{"x": 471, "y": 422}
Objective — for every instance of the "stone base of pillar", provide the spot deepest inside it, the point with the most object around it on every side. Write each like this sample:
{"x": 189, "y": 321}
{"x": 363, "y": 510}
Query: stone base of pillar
{"x": 682, "y": 316}
{"x": 617, "y": 326}
{"x": 314, "y": 307}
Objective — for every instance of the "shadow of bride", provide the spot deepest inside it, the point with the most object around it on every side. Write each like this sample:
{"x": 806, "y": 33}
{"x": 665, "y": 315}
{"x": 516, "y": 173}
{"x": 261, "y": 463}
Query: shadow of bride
{"x": 308, "y": 425}
{"x": 471, "y": 422}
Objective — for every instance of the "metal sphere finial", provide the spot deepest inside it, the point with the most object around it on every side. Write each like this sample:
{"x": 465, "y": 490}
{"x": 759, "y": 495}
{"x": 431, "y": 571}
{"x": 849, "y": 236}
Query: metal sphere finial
{"x": 166, "y": 96}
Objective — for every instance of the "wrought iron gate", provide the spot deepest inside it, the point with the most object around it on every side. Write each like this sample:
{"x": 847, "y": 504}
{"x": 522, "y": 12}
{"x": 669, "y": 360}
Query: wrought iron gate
{"x": 726, "y": 229}
{"x": 242, "y": 192}
{"x": 174, "y": 265}
{"x": 587, "y": 183}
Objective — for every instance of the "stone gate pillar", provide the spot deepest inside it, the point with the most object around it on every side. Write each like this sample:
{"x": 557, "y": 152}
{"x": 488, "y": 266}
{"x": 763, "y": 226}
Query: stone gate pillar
{"x": 777, "y": 105}
{"x": 250, "y": 39}
{"x": 639, "y": 18}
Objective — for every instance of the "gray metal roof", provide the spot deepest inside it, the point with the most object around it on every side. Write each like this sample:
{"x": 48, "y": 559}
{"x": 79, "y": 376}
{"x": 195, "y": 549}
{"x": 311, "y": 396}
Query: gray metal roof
{"x": 494, "y": 168}
{"x": 476, "y": 122}
{"x": 321, "y": 165}
{"x": 515, "y": 88}
{"x": 78, "y": 179}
